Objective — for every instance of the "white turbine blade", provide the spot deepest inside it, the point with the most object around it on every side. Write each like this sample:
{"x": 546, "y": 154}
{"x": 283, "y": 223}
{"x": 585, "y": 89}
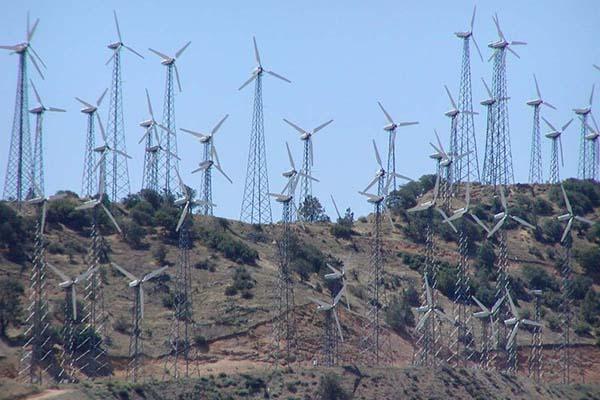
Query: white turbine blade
{"x": 248, "y": 81}
{"x": 218, "y": 167}
{"x": 339, "y": 295}
{"x": 436, "y": 187}
{"x": 597, "y": 67}
{"x": 548, "y": 105}
{"x": 177, "y": 76}
{"x": 290, "y": 156}
{"x": 149, "y": 105}
{"x": 408, "y": 123}
{"x": 473, "y": 18}
{"x": 296, "y": 127}
{"x": 112, "y": 219}
{"x": 531, "y": 322}
{"x": 565, "y": 126}
{"x": 567, "y": 202}
{"x": 397, "y": 175}
{"x": 422, "y": 321}
{"x": 308, "y": 176}
{"x": 111, "y": 58}
{"x": 117, "y": 25}
{"x": 319, "y": 302}
{"x": 87, "y": 205}
{"x": 497, "y": 22}
{"x": 83, "y": 276}
{"x": 377, "y": 157}
{"x": 32, "y": 31}
{"x": 537, "y": 87}
{"x": 55, "y": 109}
{"x": 323, "y": 125}
{"x": 503, "y": 199}
{"x": 336, "y": 208}
{"x": 35, "y": 64}
{"x": 511, "y": 338}
{"x": 180, "y": 51}
{"x": 9, "y": 47}
{"x": 428, "y": 294}
{"x": 74, "y": 301}
{"x": 476, "y": 46}
{"x": 37, "y": 95}
{"x": 182, "y": 216}
{"x": 124, "y": 271}
{"x": 513, "y": 308}
{"x": 440, "y": 144}
{"x": 278, "y": 76}
{"x": 480, "y": 223}
{"x": 450, "y": 97}
{"x": 389, "y": 118}
{"x": 522, "y": 222}
{"x": 216, "y": 128}
{"x": 497, "y": 304}
{"x": 487, "y": 88}
{"x": 480, "y": 304}
{"x": 567, "y": 230}
{"x": 197, "y": 134}
{"x": 592, "y": 94}
{"x": 140, "y": 290}
{"x": 585, "y": 220}
{"x": 154, "y": 273}
{"x": 256, "y": 54}
{"x": 99, "y": 101}
{"x": 445, "y": 218}
{"x": 44, "y": 211}
{"x": 169, "y": 153}
{"x": 161, "y": 55}
{"x": 337, "y": 322}
{"x": 133, "y": 51}
{"x": 518, "y": 43}
{"x": 335, "y": 271}
{"x": 102, "y": 133}
{"x": 144, "y": 135}
{"x": 496, "y": 227}
{"x": 311, "y": 151}
{"x": 121, "y": 153}
{"x": 371, "y": 184}
{"x": 84, "y": 103}
{"x": 512, "y": 51}
{"x": 58, "y": 272}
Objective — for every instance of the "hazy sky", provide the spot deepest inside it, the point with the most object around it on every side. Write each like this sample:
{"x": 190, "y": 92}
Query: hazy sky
{"x": 342, "y": 57}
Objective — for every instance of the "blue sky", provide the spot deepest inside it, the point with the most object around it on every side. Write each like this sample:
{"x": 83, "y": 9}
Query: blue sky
{"x": 342, "y": 57}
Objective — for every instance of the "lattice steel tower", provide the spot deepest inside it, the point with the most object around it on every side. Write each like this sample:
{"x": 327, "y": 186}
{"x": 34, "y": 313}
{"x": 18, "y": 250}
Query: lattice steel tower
{"x": 555, "y": 135}
{"x": 466, "y": 168}
{"x": 534, "y": 361}
{"x": 89, "y": 182}
{"x": 168, "y": 161}
{"x": 584, "y": 145}
{"x": 501, "y": 170}
{"x": 210, "y": 159}
{"x": 593, "y": 158}
{"x": 535, "y": 161}
{"x": 256, "y": 207}
{"x": 117, "y": 173}
{"x": 18, "y": 184}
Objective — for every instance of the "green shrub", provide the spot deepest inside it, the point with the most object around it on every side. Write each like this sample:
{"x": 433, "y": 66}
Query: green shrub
{"x": 223, "y": 242}
{"x": 342, "y": 231}
{"x": 590, "y": 307}
{"x": 13, "y": 234}
{"x": 552, "y": 231}
{"x": 331, "y": 389}
{"x": 582, "y": 328}
{"x": 230, "y": 291}
{"x": 311, "y": 210}
{"x": 580, "y": 286}
{"x": 11, "y": 310}
{"x": 589, "y": 259}
{"x": 542, "y": 207}
{"x": 242, "y": 279}
{"x": 538, "y": 278}
{"x": 553, "y": 323}
{"x": 134, "y": 234}
{"x": 398, "y": 314}
{"x": 160, "y": 254}
{"x": 305, "y": 259}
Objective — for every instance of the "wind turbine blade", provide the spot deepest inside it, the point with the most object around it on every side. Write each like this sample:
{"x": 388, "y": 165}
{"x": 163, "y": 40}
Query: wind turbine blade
{"x": 518, "y": 43}
{"x": 43, "y": 222}
{"x": 74, "y": 302}
{"x": 37, "y": 95}
{"x": 32, "y": 30}
{"x": 278, "y": 76}
{"x": 101, "y": 98}
{"x": 55, "y": 109}
{"x": 216, "y": 128}
{"x": 597, "y": 67}
{"x": 102, "y": 133}
{"x": 110, "y": 58}
{"x": 182, "y": 216}
{"x": 487, "y": 88}
{"x": 450, "y": 97}
{"x": 497, "y": 304}
{"x": 585, "y": 220}
{"x": 35, "y": 64}
{"x": 428, "y": 294}
{"x": 503, "y": 199}
{"x": 197, "y": 134}
{"x": 537, "y": 87}
{"x": 117, "y": 25}
{"x": 180, "y": 51}
{"x": 336, "y": 208}
{"x": 549, "y": 105}
{"x": 256, "y": 54}
{"x": 531, "y": 322}
{"x": 565, "y": 126}
{"x": 562, "y": 158}
{"x": 522, "y": 221}
{"x": 133, "y": 51}
{"x": 567, "y": 230}
{"x": 387, "y": 116}
{"x": 177, "y": 76}
{"x": 247, "y": 82}
{"x": 480, "y": 304}
{"x": 422, "y": 321}
{"x": 311, "y": 152}
{"x": 371, "y": 184}
{"x": 296, "y": 127}
{"x": 161, "y": 55}
{"x": 335, "y": 271}
{"x": 308, "y": 176}
{"x": 154, "y": 273}
{"x": 144, "y": 135}
{"x": 496, "y": 227}
{"x": 124, "y": 271}
{"x": 121, "y": 153}
{"x": 337, "y": 322}
{"x": 323, "y": 125}
{"x": 290, "y": 156}
{"x": 84, "y": 103}
{"x": 218, "y": 167}
{"x": 512, "y": 51}
{"x": 497, "y": 22}
{"x": 592, "y": 94}
{"x": 319, "y": 302}
{"x": 511, "y": 338}
{"x": 513, "y": 308}
{"x": 476, "y": 46}
{"x": 473, "y": 18}
{"x": 567, "y": 202}
{"x": 58, "y": 272}
{"x": 112, "y": 219}
{"x": 377, "y": 157}
{"x": 149, "y": 104}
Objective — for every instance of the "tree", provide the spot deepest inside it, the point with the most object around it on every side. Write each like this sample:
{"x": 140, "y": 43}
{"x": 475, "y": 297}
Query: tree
{"x": 11, "y": 309}
{"x": 311, "y": 210}
{"x": 399, "y": 315}
{"x": 330, "y": 388}
{"x": 589, "y": 258}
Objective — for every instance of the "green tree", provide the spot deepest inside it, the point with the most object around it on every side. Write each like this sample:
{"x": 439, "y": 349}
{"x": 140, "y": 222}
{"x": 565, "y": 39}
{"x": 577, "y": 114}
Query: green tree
{"x": 311, "y": 210}
{"x": 331, "y": 389}
{"x": 11, "y": 309}
{"x": 589, "y": 259}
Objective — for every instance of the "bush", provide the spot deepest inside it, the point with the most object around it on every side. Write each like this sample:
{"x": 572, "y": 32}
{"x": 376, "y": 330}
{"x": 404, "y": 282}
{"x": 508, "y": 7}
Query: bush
{"x": 122, "y": 325}
{"x": 553, "y": 323}
{"x": 63, "y": 211}
{"x": 242, "y": 279}
{"x": 538, "y": 278}
{"x": 11, "y": 309}
{"x": 589, "y": 259}
{"x": 230, "y": 291}
{"x": 342, "y": 231}
{"x": 580, "y": 286}
{"x": 582, "y": 328}
{"x": 542, "y": 207}
{"x": 331, "y": 389}
{"x": 552, "y": 231}
{"x": 231, "y": 248}
{"x": 590, "y": 307}
{"x": 398, "y": 314}
{"x": 13, "y": 234}
{"x": 134, "y": 234}
{"x": 160, "y": 254}
{"x": 305, "y": 259}
{"x": 311, "y": 210}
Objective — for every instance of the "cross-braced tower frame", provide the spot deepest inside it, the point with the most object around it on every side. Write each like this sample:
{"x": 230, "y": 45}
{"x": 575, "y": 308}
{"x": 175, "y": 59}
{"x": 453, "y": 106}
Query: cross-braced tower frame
{"x": 535, "y": 160}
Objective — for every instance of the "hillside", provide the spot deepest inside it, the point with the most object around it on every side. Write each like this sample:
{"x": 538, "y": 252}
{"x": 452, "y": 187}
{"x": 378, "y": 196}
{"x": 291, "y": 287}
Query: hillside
{"x": 234, "y": 268}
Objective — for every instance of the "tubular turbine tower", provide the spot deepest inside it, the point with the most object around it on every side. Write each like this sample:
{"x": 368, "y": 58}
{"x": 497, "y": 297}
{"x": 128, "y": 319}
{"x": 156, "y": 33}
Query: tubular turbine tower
{"x": 256, "y": 207}
{"x": 18, "y": 184}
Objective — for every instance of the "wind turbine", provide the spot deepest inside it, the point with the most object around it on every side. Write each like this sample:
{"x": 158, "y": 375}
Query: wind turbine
{"x": 89, "y": 178}
{"x": 501, "y": 217}
{"x": 593, "y": 159}
{"x": 135, "y": 340}
{"x": 117, "y": 177}
{"x": 555, "y": 136}
{"x": 18, "y": 182}
{"x": 488, "y": 320}
{"x": 307, "y": 158}
{"x": 516, "y": 322}
{"x": 502, "y": 43}
{"x": 170, "y": 141}
{"x": 211, "y": 159}
{"x": 535, "y": 164}
{"x": 569, "y": 216}
{"x": 97, "y": 202}
{"x": 338, "y": 274}
{"x": 256, "y": 207}
{"x": 391, "y": 129}
{"x": 466, "y": 209}
{"x": 430, "y": 308}
{"x": 337, "y": 211}
{"x": 330, "y": 342}
{"x": 37, "y": 168}
{"x": 583, "y": 113}
{"x": 466, "y": 35}
{"x": 153, "y": 150}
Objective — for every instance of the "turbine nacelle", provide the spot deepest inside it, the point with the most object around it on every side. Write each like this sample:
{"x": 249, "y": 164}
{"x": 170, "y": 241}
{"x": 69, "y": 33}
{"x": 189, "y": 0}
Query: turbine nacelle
{"x": 37, "y": 110}
{"x": 146, "y": 123}
{"x": 500, "y": 215}
{"x": 290, "y": 173}
{"x": 499, "y": 44}
{"x": 564, "y": 217}
{"x": 463, "y": 35}
{"x": 553, "y": 135}
{"x": 488, "y": 102}
{"x": 115, "y": 45}
{"x": 592, "y": 136}
{"x": 582, "y": 111}
{"x": 452, "y": 113}
{"x": 535, "y": 102}
{"x": 390, "y": 127}
{"x": 135, "y": 283}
